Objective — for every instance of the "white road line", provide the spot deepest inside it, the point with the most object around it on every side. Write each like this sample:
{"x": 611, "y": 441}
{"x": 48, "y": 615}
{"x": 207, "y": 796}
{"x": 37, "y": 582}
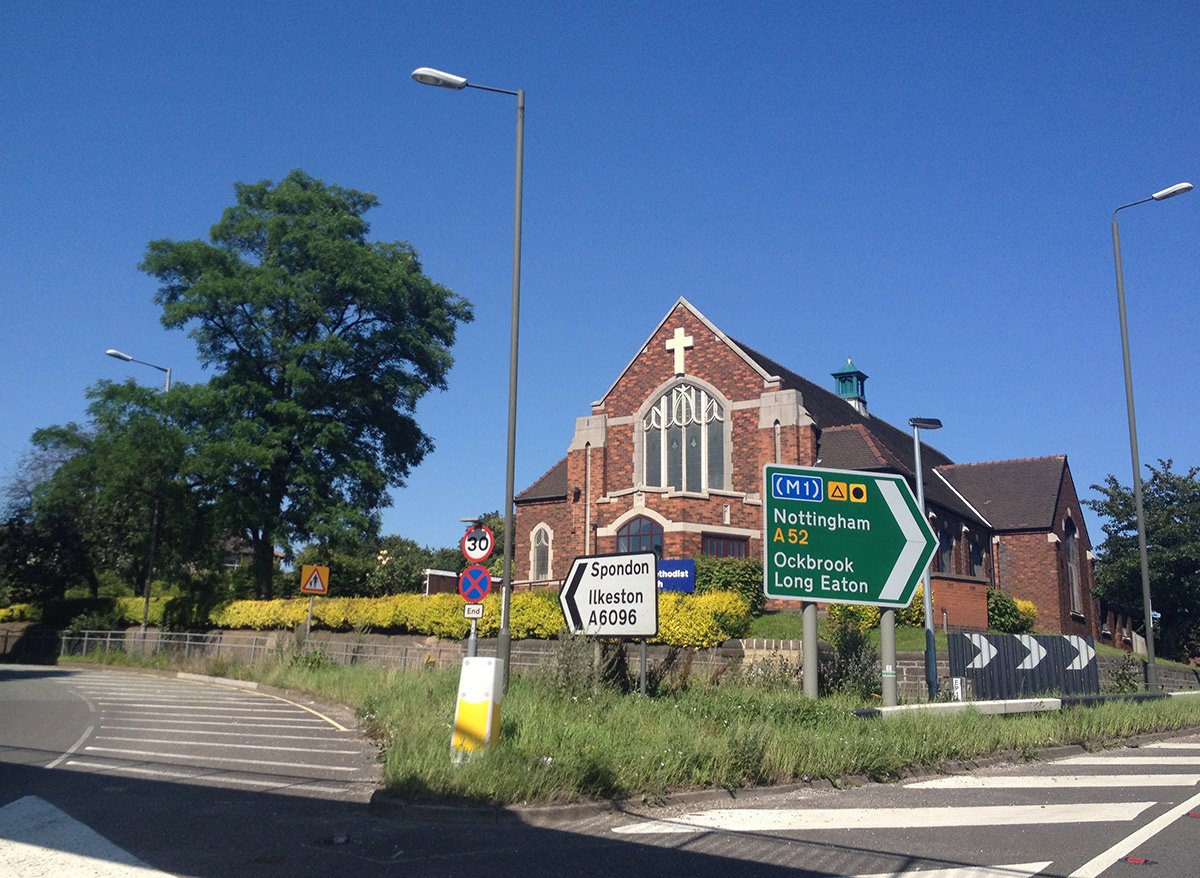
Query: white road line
{"x": 73, "y": 748}
{"x": 151, "y": 754}
{"x": 1097, "y": 865}
{"x": 1062, "y": 781}
{"x": 207, "y": 779}
{"x": 1118, "y": 761}
{"x": 311, "y": 724}
{"x": 1170, "y": 745}
{"x": 772, "y": 820}
{"x": 210, "y": 714}
{"x": 224, "y": 746}
{"x": 191, "y": 704}
{"x": 1018, "y": 870}
{"x": 274, "y": 736}
{"x": 38, "y": 839}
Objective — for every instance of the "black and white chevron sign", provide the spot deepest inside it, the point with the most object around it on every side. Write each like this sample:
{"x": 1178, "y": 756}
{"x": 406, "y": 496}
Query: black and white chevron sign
{"x": 1023, "y": 665}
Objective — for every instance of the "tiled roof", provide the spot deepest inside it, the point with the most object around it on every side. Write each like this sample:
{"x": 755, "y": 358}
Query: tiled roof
{"x": 1012, "y": 494}
{"x": 551, "y": 486}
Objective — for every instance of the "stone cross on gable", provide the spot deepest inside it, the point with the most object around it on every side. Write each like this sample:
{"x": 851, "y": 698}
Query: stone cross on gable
{"x": 678, "y": 343}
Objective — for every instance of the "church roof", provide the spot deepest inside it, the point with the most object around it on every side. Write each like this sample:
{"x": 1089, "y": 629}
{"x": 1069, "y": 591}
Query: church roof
{"x": 551, "y": 486}
{"x": 1013, "y": 494}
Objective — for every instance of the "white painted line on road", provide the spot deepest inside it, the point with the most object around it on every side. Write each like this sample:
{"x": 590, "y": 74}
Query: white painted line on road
{"x": 38, "y": 839}
{"x": 210, "y": 714}
{"x": 1018, "y": 870}
{"x": 316, "y": 739}
{"x": 1119, "y": 760}
{"x": 1170, "y": 745}
{"x": 225, "y": 746}
{"x": 207, "y": 779}
{"x": 151, "y": 754}
{"x": 1066, "y": 781}
{"x": 192, "y": 704}
{"x": 73, "y": 748}
{"x": 780, "y": 820}
{"x": 309, "y": 723}
{"x": 1097, "y": 865}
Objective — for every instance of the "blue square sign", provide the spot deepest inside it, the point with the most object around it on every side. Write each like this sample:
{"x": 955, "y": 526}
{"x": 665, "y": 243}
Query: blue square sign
{"x": 677, "y": 575}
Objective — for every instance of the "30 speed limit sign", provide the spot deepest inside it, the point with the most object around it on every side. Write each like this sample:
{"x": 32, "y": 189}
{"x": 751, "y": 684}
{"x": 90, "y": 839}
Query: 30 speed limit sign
{"x": 477, "y": 543}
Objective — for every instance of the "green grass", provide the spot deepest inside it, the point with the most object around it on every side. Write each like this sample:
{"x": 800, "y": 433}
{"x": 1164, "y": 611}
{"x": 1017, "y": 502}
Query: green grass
{"x": 556, "y": 747}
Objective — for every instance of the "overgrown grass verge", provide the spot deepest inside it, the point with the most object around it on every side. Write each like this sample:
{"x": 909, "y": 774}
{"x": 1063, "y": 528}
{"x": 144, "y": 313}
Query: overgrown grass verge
{"x": 556, "y": 747}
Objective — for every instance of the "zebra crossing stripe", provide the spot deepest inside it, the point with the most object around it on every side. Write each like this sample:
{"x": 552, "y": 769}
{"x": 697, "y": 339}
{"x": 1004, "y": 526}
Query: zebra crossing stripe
{"x": 816, "y": 819}
{"x": 1019, "y": 870}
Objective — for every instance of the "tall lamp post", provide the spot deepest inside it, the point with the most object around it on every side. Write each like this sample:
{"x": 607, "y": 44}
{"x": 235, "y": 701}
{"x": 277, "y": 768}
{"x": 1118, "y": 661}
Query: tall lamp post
{"x": 118, "y": 355}
{"x": 919, "y": 424}
{"x": 1162, "y": 195}
{"x": 429, "y": 76}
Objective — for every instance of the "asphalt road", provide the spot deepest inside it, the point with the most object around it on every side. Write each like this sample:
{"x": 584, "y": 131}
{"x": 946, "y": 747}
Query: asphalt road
{"x": 105, "y": 771}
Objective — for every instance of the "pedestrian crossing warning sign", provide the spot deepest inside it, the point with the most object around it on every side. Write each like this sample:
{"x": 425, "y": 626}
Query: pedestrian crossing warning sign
{"x": 314, "y": 579}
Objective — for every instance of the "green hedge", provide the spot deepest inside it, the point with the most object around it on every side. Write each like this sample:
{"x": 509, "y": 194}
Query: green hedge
{"x": 695, "y": 621}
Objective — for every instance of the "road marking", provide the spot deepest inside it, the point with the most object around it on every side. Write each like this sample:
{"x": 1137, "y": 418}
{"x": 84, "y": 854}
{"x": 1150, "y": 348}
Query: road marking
{"x": 208, "y": 779}
{"x": 1120, "y": 760}
{"x": 773, "y": 820}
{"x": 38, "y": 839}
{"x": 1068, "y": 781}
{"x": 156, "y": 715}
{"x": 1170, "y": 745}
{"x": 74, "y": 748}
{"x": 312, "y": 724}
{"x": 224, "y": 746}
{"x": 316, "y": 739}
{"x": 1018, "y": 870}
{"x": 1097, "y": 865}
{"x": 155, "y": 755}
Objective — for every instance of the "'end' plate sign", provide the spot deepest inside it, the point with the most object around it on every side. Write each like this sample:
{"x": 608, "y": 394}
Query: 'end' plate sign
{"x": 612, "y": 596}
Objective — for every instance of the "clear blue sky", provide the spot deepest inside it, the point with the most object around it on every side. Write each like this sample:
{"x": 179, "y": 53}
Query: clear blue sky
{"x": 926, "y": 188}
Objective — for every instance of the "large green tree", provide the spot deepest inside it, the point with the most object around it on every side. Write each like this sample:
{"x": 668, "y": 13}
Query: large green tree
{"x": 322, "y": 342}
{"x": 1171, "y": 503}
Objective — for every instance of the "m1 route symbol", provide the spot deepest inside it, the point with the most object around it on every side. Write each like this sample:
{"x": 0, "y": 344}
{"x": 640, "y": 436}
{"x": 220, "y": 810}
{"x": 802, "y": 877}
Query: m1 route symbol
{"x": 612, "y": 595}
{"x": 842, "y": 536}
{"x": 477, "y": 543}
{"x": 474, "y": 583}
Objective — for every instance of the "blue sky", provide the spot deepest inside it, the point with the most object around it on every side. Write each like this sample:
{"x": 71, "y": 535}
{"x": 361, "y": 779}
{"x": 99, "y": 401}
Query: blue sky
{"x": 924, "y": 187}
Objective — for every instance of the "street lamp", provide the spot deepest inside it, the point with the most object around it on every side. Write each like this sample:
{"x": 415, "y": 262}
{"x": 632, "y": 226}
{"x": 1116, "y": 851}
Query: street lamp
{"x": 919, "y": 424}
{"x": 119, "y": 355}
{"x": 1162, "y": 195}
{"x": 429, "y": 76}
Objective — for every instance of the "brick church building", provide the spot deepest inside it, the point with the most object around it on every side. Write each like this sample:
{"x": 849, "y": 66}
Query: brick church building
{"x": 671, "y": 457}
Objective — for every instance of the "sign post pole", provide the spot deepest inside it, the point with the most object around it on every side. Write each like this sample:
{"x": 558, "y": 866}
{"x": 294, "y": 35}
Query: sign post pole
{"x": 887, "y": 656}
{"x": 842, "y": 536}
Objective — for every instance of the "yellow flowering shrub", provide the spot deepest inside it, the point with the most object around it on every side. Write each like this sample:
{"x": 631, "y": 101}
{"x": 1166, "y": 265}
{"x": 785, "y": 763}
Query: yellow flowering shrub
{"x": 914, "y": 614}
{"x": 20, "y": 613}
{"x": 701, "y": 621}
{"x": 862, "y": 618}
{"x": 1028, "y": 611}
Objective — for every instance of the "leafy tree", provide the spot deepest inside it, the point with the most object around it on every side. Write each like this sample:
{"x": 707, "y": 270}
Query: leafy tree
{"x": 1171, "y": 503}
{"x": 322, "y": 343}
{"x": 108, "y": 489}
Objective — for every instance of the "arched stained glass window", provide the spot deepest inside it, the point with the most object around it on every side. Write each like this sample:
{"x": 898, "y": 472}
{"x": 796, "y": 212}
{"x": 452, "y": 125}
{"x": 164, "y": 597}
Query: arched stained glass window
{"x": 640, "y": 534}
{"x": 542, "y": 538}
{"x": 684, "y": 441}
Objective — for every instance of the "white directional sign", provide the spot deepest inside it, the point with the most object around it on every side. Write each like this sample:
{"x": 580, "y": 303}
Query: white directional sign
{"x": 612, "y": 596}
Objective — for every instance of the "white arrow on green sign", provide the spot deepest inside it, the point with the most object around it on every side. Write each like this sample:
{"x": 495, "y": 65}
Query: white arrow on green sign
{"x": 842, "y": 536}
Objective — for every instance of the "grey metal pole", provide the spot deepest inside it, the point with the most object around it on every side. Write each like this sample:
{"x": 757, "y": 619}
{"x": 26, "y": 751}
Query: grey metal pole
{"x": 887, "y": 653}
{"x": 504, "y": 643}
{"x": 1148, "y": 620}
{"x": 809, "y": 649}
{"x": 931, "y": 680}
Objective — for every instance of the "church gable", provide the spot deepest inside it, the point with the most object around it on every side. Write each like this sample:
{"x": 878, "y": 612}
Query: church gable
{"x": 685, "y": 345}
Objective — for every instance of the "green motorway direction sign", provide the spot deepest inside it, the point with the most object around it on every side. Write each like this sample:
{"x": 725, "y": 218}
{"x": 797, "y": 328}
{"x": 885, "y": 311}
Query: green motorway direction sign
{"x": 842, "y": 536}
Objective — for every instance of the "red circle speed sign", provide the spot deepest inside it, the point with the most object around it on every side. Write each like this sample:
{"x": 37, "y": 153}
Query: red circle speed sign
{"x": 477, "y": 543}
